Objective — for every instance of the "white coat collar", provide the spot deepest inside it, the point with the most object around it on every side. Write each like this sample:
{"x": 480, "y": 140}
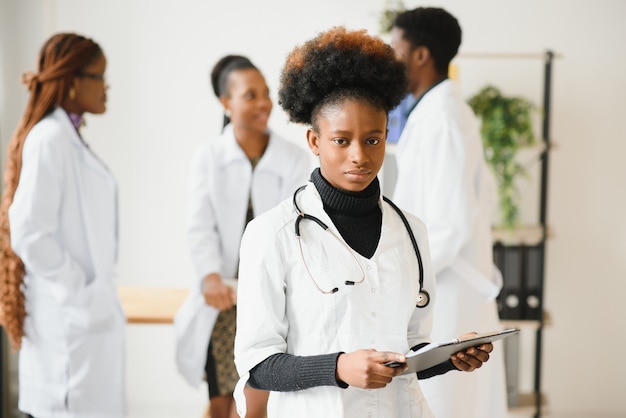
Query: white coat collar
{"x": 437, "y": 94}
{"x": 94, "y": 228}
{"x": 270, "y": 161}
{"x": 91, "y": 158}
{"x": 61, "y": 115}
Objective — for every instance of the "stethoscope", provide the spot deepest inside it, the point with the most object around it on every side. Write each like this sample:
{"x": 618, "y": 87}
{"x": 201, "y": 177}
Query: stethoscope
{"x": 423, "y": 298}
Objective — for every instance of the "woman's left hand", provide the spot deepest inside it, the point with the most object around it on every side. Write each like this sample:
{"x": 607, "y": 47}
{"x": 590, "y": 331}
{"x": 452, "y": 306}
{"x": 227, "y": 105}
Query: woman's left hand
{"x": 472, "y": 358}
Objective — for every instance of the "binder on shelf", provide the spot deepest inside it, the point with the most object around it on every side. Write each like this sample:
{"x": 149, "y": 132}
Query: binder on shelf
{"x": 521, "y": 297}
{"x": 509, "y": 260}
{"x": 533, "y": 283}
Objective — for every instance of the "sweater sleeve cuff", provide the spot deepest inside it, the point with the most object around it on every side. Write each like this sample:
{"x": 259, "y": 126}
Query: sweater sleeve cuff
{"x": 436, "y": 370}
{"x": 283, "y": 372}
{"x": 340, "y": 383}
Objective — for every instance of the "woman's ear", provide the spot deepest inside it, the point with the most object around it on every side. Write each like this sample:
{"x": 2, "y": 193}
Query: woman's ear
{"x": 75, "y": 85}
{"x": 313, "y": 140}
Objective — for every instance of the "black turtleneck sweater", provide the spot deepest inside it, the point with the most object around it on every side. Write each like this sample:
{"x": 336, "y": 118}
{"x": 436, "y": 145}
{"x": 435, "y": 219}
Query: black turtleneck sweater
{"x": 356, "y": 215}
{"x": 358, "y": 218}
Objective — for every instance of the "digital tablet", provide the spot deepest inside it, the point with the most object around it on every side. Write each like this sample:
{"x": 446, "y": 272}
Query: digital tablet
{"x": 436, "y": 353}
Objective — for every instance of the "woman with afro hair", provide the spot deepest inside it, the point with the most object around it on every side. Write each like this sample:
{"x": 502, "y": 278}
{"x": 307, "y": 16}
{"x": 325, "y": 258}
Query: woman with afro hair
{"x": 329, "y": 279}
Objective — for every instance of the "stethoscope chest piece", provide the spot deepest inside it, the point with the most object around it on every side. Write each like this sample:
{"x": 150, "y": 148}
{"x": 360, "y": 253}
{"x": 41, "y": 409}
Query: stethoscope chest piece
{"x": 423, "y": 299}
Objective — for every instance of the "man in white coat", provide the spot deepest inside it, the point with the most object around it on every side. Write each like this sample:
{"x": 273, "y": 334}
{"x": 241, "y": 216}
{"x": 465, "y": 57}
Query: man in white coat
{"x": 443, "y": 179}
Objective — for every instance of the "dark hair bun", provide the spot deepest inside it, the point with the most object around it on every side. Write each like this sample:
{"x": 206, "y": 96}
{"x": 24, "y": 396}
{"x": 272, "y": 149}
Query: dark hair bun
{"x": 221, "y": 70}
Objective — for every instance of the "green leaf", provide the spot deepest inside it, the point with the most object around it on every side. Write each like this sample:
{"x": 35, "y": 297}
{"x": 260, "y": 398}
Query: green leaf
{"x": 506, "y": 127}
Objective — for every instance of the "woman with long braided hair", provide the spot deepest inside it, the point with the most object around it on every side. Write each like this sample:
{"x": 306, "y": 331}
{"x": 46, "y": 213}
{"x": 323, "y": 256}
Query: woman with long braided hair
{"x": 58, "y": 243}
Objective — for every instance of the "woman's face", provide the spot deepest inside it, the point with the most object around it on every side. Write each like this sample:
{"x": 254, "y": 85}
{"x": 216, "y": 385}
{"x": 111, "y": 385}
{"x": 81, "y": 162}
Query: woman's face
{"x": 350, "y": 143}
{"x": 248, "y": 100}
{"x": 90, "y": 87}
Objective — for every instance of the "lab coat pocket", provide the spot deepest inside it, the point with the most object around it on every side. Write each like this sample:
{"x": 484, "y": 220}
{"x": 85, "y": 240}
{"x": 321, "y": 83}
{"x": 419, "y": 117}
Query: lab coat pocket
{"x": 96, "y": 308}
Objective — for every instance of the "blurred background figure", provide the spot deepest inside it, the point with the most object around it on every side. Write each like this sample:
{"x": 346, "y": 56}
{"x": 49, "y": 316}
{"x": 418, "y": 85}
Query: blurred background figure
{"x": 443, "y": 178}
{"x": 241, "y": 174}
{"x": 58, "y": 243}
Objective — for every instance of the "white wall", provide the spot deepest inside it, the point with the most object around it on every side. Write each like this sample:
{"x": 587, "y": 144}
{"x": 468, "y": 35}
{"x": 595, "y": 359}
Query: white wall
{"x": 161, "y": 107}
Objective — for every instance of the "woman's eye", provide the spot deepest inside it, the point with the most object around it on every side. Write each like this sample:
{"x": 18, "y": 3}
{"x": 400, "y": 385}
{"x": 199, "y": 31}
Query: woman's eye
{"x": 340, "y": 141}
{"x": 373, "y": 141}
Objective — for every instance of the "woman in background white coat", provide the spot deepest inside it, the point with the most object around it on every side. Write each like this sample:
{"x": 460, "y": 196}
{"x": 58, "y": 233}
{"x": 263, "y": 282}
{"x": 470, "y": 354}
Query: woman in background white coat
{"x": 443, "y": 179}
{"x": 235, "y": 177}
{"x": 59, "y": 208}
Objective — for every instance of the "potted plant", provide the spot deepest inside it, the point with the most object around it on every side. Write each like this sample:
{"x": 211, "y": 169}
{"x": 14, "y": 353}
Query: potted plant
{"x": 506, "y": 127}
{"x": 388, "y": 15}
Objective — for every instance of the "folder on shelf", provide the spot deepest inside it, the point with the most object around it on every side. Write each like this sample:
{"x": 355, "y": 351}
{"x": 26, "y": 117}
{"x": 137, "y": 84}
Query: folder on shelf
{"x": 533, "y": 286}
{"x": 509, "y": 259}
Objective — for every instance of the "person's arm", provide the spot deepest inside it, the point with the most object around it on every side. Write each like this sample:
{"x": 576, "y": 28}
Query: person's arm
{"x": 263, "y": 325}
{"x": 34, "y": 215}
{"x": 450, "y": 205}
{"x": 284, "y": 372}
{"x": 203, "y": 235}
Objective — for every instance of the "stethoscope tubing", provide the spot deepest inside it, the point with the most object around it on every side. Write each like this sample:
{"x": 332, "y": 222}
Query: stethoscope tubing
{"x": 424, "y": 296}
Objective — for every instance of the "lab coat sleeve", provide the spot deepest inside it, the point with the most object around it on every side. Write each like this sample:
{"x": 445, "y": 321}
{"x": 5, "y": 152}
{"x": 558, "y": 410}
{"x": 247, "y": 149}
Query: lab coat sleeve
{"x": 261, "y": 305}
{"x": 202, "y": 231}
{"x": 34, "y": 216}
{"x": 450, "y": 206}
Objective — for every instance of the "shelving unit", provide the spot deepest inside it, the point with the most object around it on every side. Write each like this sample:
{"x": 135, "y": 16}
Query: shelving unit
{"x": 521, "y": 254}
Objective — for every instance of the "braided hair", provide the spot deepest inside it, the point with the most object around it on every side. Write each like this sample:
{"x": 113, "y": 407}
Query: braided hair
{"x": 61, "y": 58}
{"x": 336, "y": 65}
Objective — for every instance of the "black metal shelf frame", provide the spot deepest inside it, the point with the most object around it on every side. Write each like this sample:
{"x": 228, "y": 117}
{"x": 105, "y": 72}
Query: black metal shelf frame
{"x": 529, "y": 259}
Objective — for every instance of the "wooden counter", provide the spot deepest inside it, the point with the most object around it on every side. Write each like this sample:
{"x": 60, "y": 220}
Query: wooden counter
{"x": 151, "y": 305}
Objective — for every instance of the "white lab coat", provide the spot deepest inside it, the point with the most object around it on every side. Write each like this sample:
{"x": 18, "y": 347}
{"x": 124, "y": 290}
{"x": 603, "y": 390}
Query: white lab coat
{"x": 64, "y": 227}
{"x": 280, "y": 309}
{"x": 221, "y": 180}
{"x": 443, "y": 179}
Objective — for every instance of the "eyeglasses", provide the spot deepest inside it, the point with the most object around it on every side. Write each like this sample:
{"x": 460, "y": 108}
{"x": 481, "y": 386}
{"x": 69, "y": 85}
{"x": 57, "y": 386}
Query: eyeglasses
{"x": 98, "y": 77}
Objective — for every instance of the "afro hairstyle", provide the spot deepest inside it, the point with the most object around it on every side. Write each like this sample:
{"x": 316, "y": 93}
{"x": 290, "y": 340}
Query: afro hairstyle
{"x": 337, "y": 65}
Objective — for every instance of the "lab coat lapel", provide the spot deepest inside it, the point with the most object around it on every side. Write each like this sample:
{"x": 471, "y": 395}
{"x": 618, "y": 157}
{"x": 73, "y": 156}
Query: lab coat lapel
{"x": 96, "y": 184}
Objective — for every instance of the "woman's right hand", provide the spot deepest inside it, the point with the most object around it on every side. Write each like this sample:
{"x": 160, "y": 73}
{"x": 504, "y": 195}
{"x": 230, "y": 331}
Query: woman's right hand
{"x": 216, "y": 293}
{"x": 366, "y": 368}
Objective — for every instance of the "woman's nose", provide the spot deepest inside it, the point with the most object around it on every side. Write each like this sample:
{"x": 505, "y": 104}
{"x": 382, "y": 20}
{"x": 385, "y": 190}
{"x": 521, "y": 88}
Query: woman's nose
{"x": 266, "y": 103}
{"x": 358, "y": 153}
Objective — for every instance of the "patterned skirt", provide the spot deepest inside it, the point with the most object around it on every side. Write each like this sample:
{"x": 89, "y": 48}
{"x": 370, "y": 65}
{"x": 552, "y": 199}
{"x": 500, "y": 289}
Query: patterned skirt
{"x": 221, "y": 374}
